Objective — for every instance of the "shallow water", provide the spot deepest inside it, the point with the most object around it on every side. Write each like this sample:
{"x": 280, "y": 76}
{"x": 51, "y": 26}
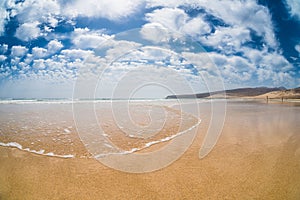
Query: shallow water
{"x": 48, "y": 128}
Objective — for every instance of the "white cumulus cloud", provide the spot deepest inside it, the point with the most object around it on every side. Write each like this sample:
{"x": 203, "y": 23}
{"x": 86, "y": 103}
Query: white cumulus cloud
{"x": 18, "y": 51}
{"x": 3, "y": 17}
{"x": 2, "y": 58}
{"x": 155, "y": 32}
{"x": 30, "y": 11}
{"x": 30, "y": 14}
{"x": 113, "y": 9}
{"x": 247, "y": 14}
{"x": 3, "y": 48}
{"x": 297, "y": 47}
{"x": 28, "y": 31}
{"x": 54, "y": 46}
{"x": 294, "y": 7}
{"x": 39, "y": 64}
{"x": 38, "y": 52}
{"x": 227, "y": 39}
{"x": 74, "y": 54}
{"x": 177, "y": 20}
{"x": 85, "y": 39}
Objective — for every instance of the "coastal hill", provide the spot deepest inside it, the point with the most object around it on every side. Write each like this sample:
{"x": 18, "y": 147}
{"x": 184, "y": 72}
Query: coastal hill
{"x": 258, "y": 92}
{"x": 286, "y": 94}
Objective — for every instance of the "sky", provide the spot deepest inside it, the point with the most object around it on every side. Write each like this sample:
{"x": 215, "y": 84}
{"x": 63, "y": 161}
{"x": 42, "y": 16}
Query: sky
{"x": 150, "y": 48}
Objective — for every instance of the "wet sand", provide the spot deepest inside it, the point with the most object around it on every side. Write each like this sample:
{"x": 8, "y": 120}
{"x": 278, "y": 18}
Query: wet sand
{"x": 256, "y": 157}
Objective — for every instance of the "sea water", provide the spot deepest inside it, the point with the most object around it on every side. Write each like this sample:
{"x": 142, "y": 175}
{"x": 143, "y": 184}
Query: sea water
{"x": 68, "y": 128}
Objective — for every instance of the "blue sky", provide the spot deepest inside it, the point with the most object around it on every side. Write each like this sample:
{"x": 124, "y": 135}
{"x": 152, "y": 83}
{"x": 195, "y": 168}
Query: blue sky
{"x": 46, "y": 45}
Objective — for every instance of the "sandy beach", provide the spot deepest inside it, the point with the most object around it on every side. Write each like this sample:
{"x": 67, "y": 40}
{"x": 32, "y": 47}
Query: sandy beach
{"x": 256, "y": 157}
{"x": 149, "y": 100}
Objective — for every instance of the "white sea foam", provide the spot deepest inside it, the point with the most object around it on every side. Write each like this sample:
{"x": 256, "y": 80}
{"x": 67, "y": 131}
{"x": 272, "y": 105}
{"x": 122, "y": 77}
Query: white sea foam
{"x": 107, "y": 145}
{"x": 147, "y": 145}
{"x": 70, "y": 101}
{"x": 11, "y": 144}
{"x": 67, "y": 130}
{"x": 40, "y": 152}
{"x": 36, "y": 102}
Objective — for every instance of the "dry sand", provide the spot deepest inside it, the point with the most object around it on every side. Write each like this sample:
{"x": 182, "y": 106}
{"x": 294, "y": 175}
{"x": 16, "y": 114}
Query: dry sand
{"x": 286, "y": 94}
{"x": 256, "y": 157}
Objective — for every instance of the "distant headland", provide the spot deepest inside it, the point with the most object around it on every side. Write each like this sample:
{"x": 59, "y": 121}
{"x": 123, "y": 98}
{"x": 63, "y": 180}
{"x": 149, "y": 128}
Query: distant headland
{"x": 258, "y": 92}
